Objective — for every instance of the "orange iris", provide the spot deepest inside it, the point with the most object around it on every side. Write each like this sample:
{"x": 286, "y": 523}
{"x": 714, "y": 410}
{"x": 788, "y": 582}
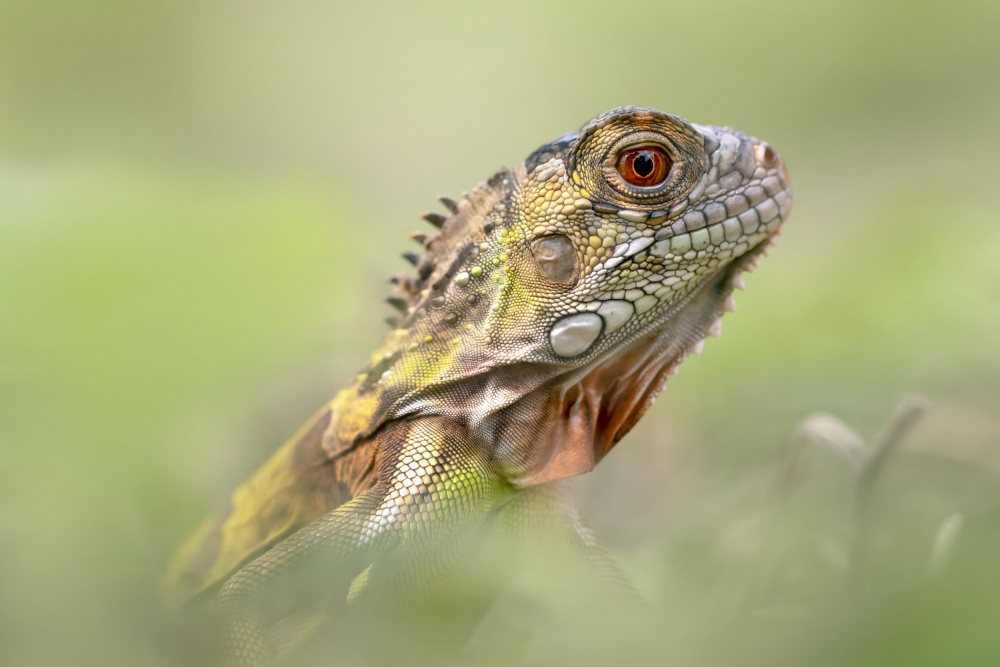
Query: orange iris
{"x": 644, "y": 166}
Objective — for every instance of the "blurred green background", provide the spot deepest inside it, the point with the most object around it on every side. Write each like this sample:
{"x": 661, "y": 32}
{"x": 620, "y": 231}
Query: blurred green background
{"x": 199, "y": 202}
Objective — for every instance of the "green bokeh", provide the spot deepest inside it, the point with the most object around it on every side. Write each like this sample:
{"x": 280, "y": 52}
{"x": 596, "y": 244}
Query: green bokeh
{"x": 199, "y": 202}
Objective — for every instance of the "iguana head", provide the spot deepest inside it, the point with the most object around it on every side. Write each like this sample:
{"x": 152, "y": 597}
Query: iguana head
{"x": 611, "y": 251}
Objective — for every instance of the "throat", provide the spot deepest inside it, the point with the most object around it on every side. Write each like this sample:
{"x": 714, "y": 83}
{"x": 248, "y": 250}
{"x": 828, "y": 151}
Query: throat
{"x": 567, "y": 425}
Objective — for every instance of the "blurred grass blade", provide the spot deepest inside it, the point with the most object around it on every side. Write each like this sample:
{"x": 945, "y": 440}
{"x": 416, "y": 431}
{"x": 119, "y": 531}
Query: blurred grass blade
{"x": 944, "y": 543}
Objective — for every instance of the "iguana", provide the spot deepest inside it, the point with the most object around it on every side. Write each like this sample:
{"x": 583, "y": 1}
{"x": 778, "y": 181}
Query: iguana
{"x": 541, "y": 322}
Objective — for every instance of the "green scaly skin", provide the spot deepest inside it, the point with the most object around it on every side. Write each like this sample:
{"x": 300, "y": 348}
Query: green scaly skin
{"x": 543, "y": 321}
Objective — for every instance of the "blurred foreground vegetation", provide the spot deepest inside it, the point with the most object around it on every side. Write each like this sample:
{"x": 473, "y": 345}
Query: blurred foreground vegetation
{"x": 199, "y": 202}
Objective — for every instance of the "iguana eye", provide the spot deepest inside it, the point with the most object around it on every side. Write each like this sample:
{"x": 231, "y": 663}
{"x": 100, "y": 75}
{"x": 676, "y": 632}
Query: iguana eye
{"x": 644, "y": 166}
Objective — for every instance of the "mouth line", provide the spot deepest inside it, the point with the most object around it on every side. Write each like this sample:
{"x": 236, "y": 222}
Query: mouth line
{"x": 760, "y": 219}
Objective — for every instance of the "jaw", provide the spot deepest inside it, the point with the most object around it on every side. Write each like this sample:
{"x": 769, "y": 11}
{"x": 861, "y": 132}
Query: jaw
{"x": 699, "y": 314}
{"x": 581, "y": 416}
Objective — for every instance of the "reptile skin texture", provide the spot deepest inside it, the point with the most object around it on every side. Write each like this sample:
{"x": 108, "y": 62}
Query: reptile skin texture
{"x": 541, "y": 322}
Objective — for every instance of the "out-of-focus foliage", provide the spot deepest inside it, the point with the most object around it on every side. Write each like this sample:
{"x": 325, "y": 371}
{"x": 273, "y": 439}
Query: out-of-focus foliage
{"x": 199, "y": 201}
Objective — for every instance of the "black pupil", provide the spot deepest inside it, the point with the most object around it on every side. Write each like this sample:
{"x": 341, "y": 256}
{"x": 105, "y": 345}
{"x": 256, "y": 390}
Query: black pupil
{"x": 643, "y": 164}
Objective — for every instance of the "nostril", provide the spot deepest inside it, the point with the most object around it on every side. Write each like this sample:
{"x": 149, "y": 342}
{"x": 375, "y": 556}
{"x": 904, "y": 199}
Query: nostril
{"x": 767, "y": 156}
